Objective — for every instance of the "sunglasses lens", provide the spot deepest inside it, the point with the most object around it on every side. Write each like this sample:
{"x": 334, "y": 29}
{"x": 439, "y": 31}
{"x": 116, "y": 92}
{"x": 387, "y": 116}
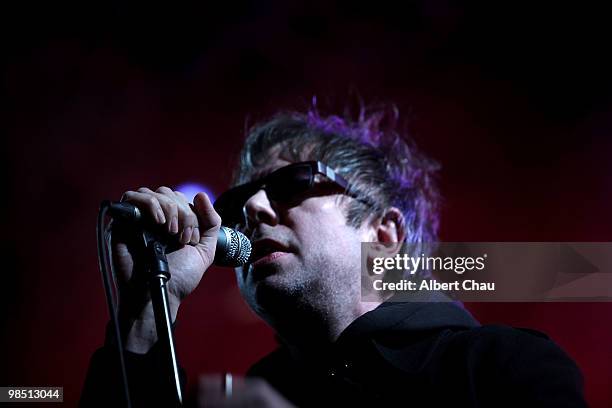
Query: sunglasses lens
{"x": 229, "y": 204}
{"x": 285, "y": 183}
{"x": 280, "y": 185}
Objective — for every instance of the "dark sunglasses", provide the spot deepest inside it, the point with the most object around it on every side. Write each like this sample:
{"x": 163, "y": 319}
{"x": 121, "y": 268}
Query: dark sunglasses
{"x": 281, "y": 185}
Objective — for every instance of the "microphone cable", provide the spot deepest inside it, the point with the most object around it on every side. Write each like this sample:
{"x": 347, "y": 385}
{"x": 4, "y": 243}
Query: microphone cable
{"x": 103, "y": 235}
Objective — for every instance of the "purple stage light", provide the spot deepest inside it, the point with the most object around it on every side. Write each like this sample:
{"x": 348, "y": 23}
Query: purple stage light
{"x": 191, "y": 189}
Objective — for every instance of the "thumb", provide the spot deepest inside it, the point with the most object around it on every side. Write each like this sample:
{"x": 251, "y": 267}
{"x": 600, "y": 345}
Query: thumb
{"x": 209, "y": 222}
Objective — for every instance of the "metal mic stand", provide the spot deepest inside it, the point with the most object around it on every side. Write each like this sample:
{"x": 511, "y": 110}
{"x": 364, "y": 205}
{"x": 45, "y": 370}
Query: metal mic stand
{"x": 159, "y": 274}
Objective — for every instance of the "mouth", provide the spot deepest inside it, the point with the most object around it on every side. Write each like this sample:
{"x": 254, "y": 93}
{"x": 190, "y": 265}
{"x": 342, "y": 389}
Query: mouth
{"x": 267, "y": 251}
{"x": 268, "y": 258}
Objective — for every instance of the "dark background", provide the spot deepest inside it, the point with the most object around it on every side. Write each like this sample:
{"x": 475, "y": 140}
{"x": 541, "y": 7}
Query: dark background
{"x": 514, "y": 99}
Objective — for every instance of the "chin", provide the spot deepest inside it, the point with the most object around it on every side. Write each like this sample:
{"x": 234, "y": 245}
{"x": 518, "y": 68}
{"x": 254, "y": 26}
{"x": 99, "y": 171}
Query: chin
{"x": 277, "y": 282}
{"x": 275, "y": 292}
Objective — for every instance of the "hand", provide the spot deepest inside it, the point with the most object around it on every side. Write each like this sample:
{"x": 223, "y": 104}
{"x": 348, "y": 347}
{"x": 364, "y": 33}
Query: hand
{"x": 244, "y": 392}
{"x": 197, "y": 231}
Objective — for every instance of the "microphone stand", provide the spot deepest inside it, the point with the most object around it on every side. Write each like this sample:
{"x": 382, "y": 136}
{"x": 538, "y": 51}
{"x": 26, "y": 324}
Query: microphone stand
{"x": 159, "y": 274}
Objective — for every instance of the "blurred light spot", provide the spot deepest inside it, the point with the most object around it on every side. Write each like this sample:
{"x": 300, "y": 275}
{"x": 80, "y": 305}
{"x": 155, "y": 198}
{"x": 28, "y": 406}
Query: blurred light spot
{"x": 191, "y": 189}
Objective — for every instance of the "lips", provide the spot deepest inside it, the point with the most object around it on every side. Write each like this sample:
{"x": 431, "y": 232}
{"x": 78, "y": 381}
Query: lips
{"x": 267, "y": 250}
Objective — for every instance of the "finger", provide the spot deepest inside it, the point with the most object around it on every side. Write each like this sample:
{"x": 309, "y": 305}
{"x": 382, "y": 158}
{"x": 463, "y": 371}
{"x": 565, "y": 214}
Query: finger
{"x": 147, "y": 203}
{"x": 169, "y": 208}
{"x": 195, "y": 236}
{"x": 209, "y": 222}
{"x": 182, "y": 196}
{"x": 187, "y": 219}
{"x": 167, "y": 191}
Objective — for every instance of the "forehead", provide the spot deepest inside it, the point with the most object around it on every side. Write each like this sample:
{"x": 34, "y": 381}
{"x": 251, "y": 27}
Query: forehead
{"x": 275, "y": 158}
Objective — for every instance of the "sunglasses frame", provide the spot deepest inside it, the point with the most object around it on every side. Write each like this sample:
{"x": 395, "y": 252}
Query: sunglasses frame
{"x": 316, "y": 167}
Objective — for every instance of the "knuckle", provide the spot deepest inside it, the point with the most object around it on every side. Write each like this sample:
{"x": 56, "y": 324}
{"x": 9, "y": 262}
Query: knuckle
{"x": 186, "y": 213}
{"x": 144, "y": 190}
{"x": 163, "y": 190}
{"x": 152, "y": 202}
{"x": 128, "y": 195}
{"x": 172, "y": 207}
{"x": 181, "y": 199}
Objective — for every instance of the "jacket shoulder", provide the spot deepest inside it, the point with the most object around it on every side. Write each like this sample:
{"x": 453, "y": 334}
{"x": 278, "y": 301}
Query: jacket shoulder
{"x": 507, "y": 346}
{"x": 524, "y": 364}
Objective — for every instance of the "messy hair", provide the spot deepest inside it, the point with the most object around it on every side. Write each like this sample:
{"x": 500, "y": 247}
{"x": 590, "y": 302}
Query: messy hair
{"x": 379, "y": 162}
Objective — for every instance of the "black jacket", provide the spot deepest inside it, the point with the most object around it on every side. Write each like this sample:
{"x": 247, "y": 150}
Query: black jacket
{"x": 408, "y": 354}
{"x": 429, "y": 354}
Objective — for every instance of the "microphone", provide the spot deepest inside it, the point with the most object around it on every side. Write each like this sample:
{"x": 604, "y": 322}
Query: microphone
{"x": 233, "y": 247}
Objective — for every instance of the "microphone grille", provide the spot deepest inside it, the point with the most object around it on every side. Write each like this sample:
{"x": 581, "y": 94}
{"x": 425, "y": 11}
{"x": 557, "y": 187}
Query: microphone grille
{"x": 244, "y": 249}
{"x": 238, "y": 248}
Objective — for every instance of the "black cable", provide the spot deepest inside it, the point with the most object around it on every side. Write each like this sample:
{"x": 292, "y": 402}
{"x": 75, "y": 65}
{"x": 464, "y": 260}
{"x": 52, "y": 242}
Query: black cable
{"x": 103, "y": 262}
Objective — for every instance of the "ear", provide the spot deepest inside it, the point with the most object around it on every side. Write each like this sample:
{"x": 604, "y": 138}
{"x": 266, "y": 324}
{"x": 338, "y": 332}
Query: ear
{"x": 392, "y": 228}
{"x": 387, "y": 235}
{"x": 389, "y": 232}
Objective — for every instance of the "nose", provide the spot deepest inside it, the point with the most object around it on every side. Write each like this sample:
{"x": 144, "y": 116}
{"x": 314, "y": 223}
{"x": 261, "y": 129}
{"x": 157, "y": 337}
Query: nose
{"x": 258, "y": 209}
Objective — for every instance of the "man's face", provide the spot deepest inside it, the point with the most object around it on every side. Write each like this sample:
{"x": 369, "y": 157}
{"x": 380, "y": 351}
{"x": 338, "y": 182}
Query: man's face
{"x": 305, "y": 254}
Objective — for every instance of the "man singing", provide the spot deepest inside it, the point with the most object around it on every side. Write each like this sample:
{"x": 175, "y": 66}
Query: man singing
{"x": 309, "y": 189}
